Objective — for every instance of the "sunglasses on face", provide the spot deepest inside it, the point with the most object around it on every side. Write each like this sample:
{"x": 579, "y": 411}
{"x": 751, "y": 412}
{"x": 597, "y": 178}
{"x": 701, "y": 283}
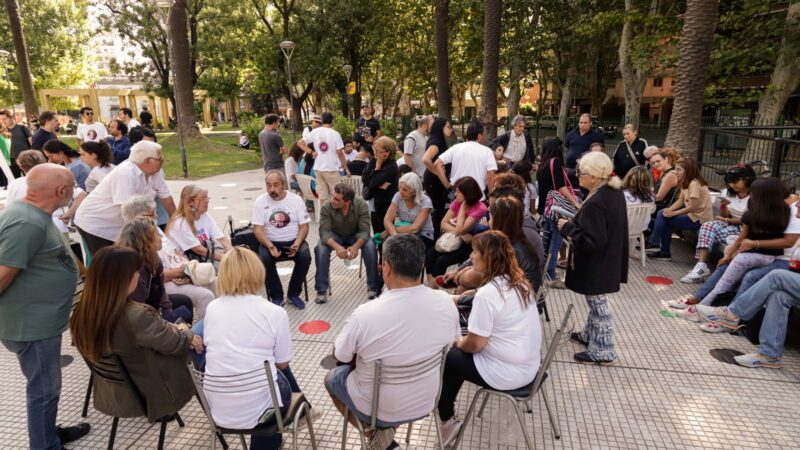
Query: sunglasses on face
{"x": 88, "y": 113}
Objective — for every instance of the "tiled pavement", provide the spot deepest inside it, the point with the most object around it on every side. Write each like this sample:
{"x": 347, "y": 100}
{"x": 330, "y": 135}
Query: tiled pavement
{"x": 665, "y": 391}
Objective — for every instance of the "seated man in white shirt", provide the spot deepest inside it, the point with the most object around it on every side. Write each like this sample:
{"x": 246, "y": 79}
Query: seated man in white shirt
{"x": 468, "y": 159}
{"x": 407, "y": 324}
{"x": 280, "y": 220}
{"x": 99, "y": 218}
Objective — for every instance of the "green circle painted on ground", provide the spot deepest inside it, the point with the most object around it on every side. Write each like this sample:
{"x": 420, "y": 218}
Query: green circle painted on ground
{"x": 666, "y": 313}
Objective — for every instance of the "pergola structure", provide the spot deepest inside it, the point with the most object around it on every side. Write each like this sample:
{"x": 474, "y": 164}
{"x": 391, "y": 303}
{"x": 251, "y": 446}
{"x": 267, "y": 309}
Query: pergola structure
{"x": 160, "y": 106}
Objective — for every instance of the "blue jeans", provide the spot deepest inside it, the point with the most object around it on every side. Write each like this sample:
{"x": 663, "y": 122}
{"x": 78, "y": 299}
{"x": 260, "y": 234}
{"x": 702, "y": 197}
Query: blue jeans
{"x": 779, "y": 291}
{"x": 302, "y": 261}
{"x": 749, "y": 279}
{"x": 552, "y": 248}
{"x": 322, "y": 255}
{"x": 41, "y": 365}
{"x": 662, "y": 232}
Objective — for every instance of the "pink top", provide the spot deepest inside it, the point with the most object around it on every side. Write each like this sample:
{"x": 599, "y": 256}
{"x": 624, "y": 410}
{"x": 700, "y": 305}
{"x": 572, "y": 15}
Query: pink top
{"x": 477, "y": 212}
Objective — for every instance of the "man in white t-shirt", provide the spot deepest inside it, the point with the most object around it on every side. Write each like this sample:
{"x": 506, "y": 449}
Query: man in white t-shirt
{"x": 126, "y": 116}
{"x": 99, "y": 218}
{"x": 414, "y": 146}
{"x": 280, "y": 220}
{"x": 330, "y": 156}
{"x": 409, "y": 323}
{"x": 89, "y": 130}
{"x": 469, "y": 159}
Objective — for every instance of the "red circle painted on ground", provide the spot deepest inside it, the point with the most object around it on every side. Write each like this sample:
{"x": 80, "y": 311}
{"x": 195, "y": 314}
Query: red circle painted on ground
{"x": 652, "y": 279}
{"x": 314, "y": 327}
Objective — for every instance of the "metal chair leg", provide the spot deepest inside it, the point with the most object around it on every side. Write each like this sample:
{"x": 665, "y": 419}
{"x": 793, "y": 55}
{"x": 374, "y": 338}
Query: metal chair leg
{"x": 344, "y": 428}
{"x": 113, "y": 433}
{"x": 521, "y": 419}
{"x": 408, "y": 433}
{"x": 483, "y": 406}
{"x": 85, "y": 411}
{"x": 214, "y": 440}
{"x": 179, "y": 420}
{"x": 438, "y": 422}
{"x": 162, "y": 434}
{"x": 361, "y": 264}
{"x": 529, "y": 406}
{"x": 243, "y": 441}
{"x": 553, "y": 418}
{"x": 466, "y": 420}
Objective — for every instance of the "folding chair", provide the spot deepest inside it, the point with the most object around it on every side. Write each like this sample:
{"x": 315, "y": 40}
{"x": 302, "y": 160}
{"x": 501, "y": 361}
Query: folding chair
{"x": 304, "y": 181}
{"x": 355, "y": 183}
{"x": 524, "y": 395}
{"x": 247, "y": 382}
{"x": 638, "y": 217}
{"x": 386, "y": 374}
{"x": 113, "y": 370}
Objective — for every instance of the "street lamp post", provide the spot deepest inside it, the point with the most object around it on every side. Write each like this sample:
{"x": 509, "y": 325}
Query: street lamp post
{"x": 287, "y": 47}
{"x": 348, "y": 69}
{"x": 6, "y": 56}
{"x": 168, "y": 4}
{"x": 383, "y": 97}
{"x": 274, "y": 75}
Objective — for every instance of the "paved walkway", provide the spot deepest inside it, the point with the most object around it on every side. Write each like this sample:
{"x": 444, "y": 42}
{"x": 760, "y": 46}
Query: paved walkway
{"x": 665, "y": 390}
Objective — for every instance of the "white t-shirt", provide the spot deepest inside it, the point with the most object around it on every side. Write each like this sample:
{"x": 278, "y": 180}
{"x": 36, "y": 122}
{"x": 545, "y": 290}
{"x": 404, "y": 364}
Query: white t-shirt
{"x": 133, "y": 124}
{"x": 511, "y": 356}
{"x": 96, "y": 176}
{"x": 95, "y": 132}
{"x": 736, "y": 206}
{"x": 414, "y": 145}
{"x": 401, "y": 327}
{"x": 205, "y": 228}
{"x": 281, "y": 219}
{"x": 239, "y": 334}
{"x": 469, "y": 159}
{"x": 350, "y": 156}
{"x": 291, "y": 168}
{"x": 792, "y": 228}
{"x": 327, "y": 142}
{"x": 100, "y": 213}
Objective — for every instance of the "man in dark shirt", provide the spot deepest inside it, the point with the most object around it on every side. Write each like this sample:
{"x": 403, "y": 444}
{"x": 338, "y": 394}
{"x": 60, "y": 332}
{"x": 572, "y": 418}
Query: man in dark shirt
{"x": 579, "y": 140}
{"x": 20, "y": 139}
{"x": 48, "y": 123}
{"x": 368, "y": 129}
{"x": 271, "y": 144}
{"x": 630, "y": 145}
{"x": 118, "y": 141}
{"x": 146, "y": 118}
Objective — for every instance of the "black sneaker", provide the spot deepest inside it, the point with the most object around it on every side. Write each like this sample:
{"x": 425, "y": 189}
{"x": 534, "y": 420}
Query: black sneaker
{"x": 576, "y": 338}
{"x": 584, "y": 358}
{"x": 73, "y": 433}
{"x": 648, "y": 246}
{"x": 659, "y": 256}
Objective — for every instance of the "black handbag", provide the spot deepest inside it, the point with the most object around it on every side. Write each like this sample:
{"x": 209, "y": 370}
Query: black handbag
{"x": 210, "y": 247}
{"x": 244, "y": 236}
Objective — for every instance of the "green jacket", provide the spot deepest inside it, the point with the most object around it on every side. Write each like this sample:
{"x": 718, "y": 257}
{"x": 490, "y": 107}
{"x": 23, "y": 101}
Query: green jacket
{"x": 356, "y": 222}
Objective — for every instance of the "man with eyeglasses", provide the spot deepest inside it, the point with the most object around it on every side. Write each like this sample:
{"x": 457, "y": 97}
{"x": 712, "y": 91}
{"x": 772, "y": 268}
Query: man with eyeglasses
{"x": 99, "y": 219}
{"x": 89, "y": 130}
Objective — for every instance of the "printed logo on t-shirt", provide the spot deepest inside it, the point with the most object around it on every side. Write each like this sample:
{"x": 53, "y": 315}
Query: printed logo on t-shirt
{"x": 323, "y": 146}
{"x": 279, "y": 219}
{"x": 92, "y": 135}
{"x": 202, "y": 236}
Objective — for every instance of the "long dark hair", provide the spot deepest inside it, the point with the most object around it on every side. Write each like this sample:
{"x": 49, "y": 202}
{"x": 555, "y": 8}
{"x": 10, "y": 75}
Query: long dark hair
{"x": 741, "y": 172}
{"x": 507, "y": 214}
{"x": 691, "y": 172}
{"x": 59, "y": 146}
{"x": 501, "y": 261}
{"x": 551, "y": 148}
{"x": 436, "y": 136}
{"x": 767, "y": 211}
{"x": 99, "y": 149}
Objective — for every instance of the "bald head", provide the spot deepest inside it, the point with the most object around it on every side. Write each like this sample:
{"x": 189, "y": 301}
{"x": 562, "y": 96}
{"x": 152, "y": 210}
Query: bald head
{"x": 50, "y": 186}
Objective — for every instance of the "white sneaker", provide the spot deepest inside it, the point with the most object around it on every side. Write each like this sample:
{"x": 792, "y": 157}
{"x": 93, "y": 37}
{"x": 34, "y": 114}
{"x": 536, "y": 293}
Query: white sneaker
{"x": 689, "y": 314}
{"x": 313, "y": 414}
{"x": 450, "y": 430}
{"x": 682, "y": 303}
{"x": 381, "y": 439}
{"x": 697, "y": 275}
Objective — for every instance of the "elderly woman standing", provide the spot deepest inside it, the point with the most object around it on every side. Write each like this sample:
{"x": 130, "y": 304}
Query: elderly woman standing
{"x": 516, "y": 145}
{"x": 598, "y": 259}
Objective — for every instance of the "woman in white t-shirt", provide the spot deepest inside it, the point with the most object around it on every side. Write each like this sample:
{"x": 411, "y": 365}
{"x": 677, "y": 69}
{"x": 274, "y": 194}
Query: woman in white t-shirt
{"x": 241, "y": 330}
{"x": 502, "y": 348}
{"x": 727, "y": 225}
{"x": 191, "y": 227}
{"x": 98, "y": 156}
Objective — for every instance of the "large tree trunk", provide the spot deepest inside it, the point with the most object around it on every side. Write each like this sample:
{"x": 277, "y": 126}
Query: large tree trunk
{"x": 26, "y": 79}
{"x": 514, "y": 92}
{"x": 316, "y": 97}
{"x": 491, "y": 63}
{"x": 699, "y": 23}
{"x": 442, "y": 13}
{"x": 634, "y": 79}
{"x": 566, "y": 99}
{"x": 184, "y": 90}
{"x": 784, "y": 81}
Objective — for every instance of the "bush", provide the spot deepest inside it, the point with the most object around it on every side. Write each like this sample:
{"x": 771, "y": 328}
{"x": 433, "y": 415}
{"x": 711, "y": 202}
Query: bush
{"x": 389, "y": 128}
{"x": 251, "y": 128}
{"x": 344, "y": 126}
{"x": 247, "y": 116}
{"x": 527, "y": 110}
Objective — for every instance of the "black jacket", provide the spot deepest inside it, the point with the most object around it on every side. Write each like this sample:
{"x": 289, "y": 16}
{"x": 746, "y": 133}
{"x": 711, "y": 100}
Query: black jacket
{"x": 598, "y": 259}
{"x": 502, "y": 141}
{"x": 622, "y": 158}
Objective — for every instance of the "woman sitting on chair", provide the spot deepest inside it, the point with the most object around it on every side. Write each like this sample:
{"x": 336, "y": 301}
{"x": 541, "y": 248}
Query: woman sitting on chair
{"x": 241, "y": 330}
{"x": 106, "y": 322}
{"x": 191, "y": 227}
{"x": 502, "y": 348}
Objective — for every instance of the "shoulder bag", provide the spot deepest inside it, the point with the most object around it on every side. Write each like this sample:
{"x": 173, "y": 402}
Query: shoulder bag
{"x": 557, "y": 201}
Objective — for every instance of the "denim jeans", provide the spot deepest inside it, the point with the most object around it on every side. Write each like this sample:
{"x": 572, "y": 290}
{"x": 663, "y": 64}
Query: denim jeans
{"x": 749, "y": 279}
{"x": 780, "y": 291}
{"x": 662, "y": 232}
{"x": 552, "y": 248}
{"x": 40, "y": 362}
{"x": 322, "y": 255}
{"x": 302, "y": 261}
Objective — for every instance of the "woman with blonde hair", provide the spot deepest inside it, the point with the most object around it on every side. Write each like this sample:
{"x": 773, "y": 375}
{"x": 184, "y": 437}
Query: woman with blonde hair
{"x": 191, "y": 227}
{"x": 598, "y": 254}
{"x": 241, "y": 330}
{"x": 107, "y": 322}
{"x": 666, "y": 188}
{"x": 502, "y": 349}
{"x": 381, "y": 176}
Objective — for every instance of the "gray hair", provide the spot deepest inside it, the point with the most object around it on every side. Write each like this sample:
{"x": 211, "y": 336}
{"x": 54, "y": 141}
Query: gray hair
{"x": 629, "y": 127}
{"x": 425, "y": 120}
{"x": 412, "y": 180}
{"x": 405, "y": 253}
{"x": 143, "y": 150}
{"x": 137, "y": 206}
{"x": 347, "y": 192}
{"x": 518, "y": 119}
{"x": 279, "y": 173}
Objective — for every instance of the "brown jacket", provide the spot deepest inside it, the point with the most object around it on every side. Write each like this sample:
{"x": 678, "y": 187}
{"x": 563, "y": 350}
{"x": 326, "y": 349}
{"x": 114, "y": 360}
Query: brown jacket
{"x": 155, "y": 354}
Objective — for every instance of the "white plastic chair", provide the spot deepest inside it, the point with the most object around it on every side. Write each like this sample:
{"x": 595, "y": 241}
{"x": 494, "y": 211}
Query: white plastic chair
{"x": 638, "y": 217}
{"x": 355, "y": 183}
{"x": 304, "y": 181}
